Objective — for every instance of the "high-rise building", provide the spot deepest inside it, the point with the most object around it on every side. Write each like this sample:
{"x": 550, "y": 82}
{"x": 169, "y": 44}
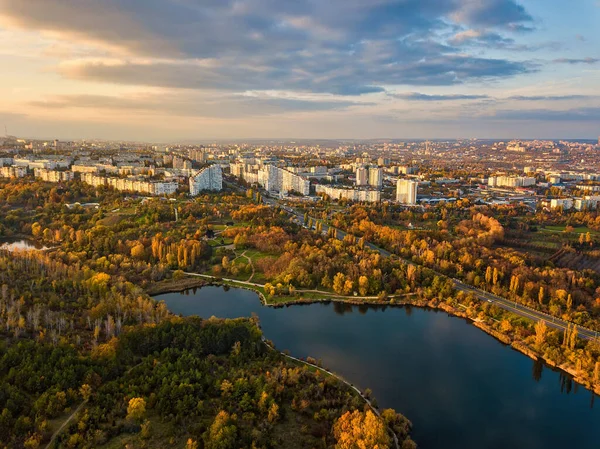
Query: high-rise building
{"x": 375, "y": 177}
{"x": 362, "y": 176}
{"x": 209, "y": 178}
{"x": 275, "y": 179}
{"x": 406, "y": 191}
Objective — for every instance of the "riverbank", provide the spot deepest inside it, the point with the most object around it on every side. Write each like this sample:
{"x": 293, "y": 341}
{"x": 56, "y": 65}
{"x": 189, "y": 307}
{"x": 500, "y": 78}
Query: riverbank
{"x": 373, "y": 408}
{"x": 401, "y": 301}
{"x": 175, "y": 285}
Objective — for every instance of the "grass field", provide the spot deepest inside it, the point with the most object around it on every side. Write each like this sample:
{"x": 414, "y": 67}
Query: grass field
{"x": 576, "y": 230}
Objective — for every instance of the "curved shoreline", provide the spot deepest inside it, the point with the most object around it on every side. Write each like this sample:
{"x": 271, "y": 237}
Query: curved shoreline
{"x": 451, "y": 311}
{"x": 339, "y": 379}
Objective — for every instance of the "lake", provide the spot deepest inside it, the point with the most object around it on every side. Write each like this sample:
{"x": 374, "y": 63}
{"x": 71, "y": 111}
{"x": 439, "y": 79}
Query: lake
{"x": 461, "y": 388}
{"x": 19, "y": 244}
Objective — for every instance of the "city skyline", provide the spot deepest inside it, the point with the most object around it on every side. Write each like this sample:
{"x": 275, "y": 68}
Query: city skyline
{"x": 182, "y": 70}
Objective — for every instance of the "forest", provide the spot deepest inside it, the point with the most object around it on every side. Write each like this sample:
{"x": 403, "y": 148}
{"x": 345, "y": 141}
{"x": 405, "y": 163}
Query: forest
{"x": 84, "y": 346}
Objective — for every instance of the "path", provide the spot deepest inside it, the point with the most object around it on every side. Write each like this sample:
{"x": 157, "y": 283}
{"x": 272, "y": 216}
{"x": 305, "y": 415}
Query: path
{"x": 506, "y": 304}
{"x": 328, "y": 294}
{"x": 250, "y": 263}
{"x": 344, "y": 381}
{"x": 68, "y": 420}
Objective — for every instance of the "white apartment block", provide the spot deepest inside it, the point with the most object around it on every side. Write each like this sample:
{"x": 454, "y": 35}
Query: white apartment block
{"x": 376, "y": 177}
{"x": 53, "y": 175}
{"x": 131, "y": 185}
{"x": 565, "y": 203}
{"x": 292, "y": 182}
{"x": 339, "y": 193}
{"x": 38, "y": 163}
{"x": 13, "y": 171}
{"x": 591, "y": 188}
{"x": 275, "y": 179}
{"x": 511, "y": 181}
{"x": 406, "y": 191}
{"x": 80, "y": 168}
{"x": 362, "y": 176}
{"x": 209, "y": 178}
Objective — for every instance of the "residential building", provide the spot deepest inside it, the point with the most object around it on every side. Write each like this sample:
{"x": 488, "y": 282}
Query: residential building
{"x": 53, "y": 175}
{"x": 406, "y": 191}
{"x": 209, "y": 178}
{"x": 362, "y": 176}
{"x": 341, "y": 193}
{"x": 14, "y": 171}
{"x": 376, "y": 177}
{"x": 511, "y": 181}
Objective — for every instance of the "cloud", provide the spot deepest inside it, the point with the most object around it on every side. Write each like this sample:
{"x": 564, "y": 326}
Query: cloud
{"x": 343, "y": 47}
{"x": 569, "y": 115}
{"x": 341, "y": 75}
{"x": 549, "y": 97}
{"x": 194, "y": 105}
{"x": 587, "y": 60}
{"x": 416, "y": 96}
{"x": 492, "y": 13}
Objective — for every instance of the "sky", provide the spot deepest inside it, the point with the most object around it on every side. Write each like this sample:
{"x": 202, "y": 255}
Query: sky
{"x": 174, "y": 70}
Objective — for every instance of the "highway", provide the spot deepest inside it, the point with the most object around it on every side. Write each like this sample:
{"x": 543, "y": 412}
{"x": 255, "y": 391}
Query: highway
{"x": 506, "y": 304}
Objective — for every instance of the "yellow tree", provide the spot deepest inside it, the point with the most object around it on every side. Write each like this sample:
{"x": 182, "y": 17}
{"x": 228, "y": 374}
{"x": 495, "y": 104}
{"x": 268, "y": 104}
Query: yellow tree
{"x": 363, "y": 285}
{"x": 357, "y": 430}
{"x": 136, "y": 409}
{"x": 540, "y": 333}
{"x": 138, "y": 252}
{"x": 338, "y": 283}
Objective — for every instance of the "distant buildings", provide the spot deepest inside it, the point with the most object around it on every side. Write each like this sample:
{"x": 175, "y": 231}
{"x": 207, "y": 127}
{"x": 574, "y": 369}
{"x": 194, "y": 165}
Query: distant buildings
{"x": 372, "y": 176}
{"x": 131, "y": 185}
{"x": 276, "y": 179}
{"x": 13, "y": 171}
{"x": 362, "y": 176}
{"x": 53, "y": 175}
{"x": 340, "y": 193}
{"x": 406, "y": 170}
{"x": 511, "y": 181}
{"x": 586, "y": 203}
{"x": 406, "y": 191}
{"x": 209, "y": 178}
{"x": 376, "y": 177}
{"x": 564, "y": 203}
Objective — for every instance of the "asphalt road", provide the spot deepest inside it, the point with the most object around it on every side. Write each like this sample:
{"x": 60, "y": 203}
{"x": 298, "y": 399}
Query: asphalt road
{"x": 482, "y": 295}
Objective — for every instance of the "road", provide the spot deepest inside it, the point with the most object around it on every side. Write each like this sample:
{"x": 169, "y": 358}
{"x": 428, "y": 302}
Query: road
{"x": 482, "y": 295}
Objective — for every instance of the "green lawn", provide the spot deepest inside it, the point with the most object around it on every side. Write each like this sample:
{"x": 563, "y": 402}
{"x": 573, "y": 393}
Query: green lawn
{"x": 576, "y": 230}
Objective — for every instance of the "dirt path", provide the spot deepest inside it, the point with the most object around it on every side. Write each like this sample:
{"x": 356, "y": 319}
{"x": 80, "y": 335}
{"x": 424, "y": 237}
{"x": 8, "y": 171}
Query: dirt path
{"x": 67, "y": 421}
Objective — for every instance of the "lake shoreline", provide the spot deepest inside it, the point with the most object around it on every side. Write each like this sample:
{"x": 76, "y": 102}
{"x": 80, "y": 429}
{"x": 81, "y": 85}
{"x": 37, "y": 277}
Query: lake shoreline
{"x": 428, "y": 305}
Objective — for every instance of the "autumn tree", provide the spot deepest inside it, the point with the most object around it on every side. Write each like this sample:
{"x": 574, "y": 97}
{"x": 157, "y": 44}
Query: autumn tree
{"x": 540, "y": 333}
{"x": 136, "y": 409}
{"x": 363, "y": 285}
{"x": 222, "y": 433}
{"x": 339, "y": 281}
{"x": 358, "y": 430}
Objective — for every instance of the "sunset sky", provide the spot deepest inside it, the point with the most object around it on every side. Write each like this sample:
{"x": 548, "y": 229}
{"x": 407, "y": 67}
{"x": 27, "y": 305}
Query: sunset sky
{"x": 169, "y": 70}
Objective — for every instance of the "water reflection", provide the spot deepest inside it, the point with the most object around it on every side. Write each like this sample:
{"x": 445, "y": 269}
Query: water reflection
{"x": 19, "y": 244}
{"x": 538, "y": 368}
{"x": 460, "y": 387}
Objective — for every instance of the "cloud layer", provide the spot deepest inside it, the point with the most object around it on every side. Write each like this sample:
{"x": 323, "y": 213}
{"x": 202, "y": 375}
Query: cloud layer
{"x": 342, "y": 47}
{"x": 295, "y": 65}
